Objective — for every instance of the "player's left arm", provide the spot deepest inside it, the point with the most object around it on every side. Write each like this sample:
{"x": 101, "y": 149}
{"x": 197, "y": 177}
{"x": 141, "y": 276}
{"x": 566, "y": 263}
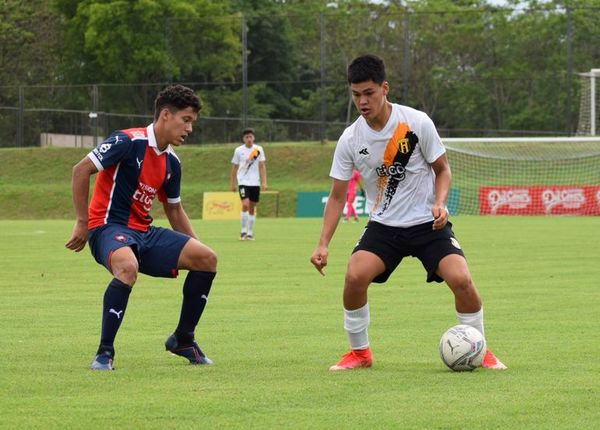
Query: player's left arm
{"x": 170, "y": 196}
{"x": 262, "y": 167}
{"x": 443, "y": 179}
{"x": 179, "y": 219}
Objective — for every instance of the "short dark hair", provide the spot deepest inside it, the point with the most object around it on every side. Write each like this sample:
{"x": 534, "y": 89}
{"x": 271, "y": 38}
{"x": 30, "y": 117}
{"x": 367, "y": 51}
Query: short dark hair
{"x": 248, "y": 130}
{"x": 366, "y": 68}
{"x": 176, "y": 97}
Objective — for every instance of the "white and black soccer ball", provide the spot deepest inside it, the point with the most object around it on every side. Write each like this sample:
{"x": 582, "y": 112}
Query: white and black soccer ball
{"x": 462, "y": 347}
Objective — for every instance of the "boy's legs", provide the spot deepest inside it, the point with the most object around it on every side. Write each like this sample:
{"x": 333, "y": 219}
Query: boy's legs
{"x": 112, "y": 247}
{"x": 454, "y": 270}
{"x": 350, "y": 211}
{"x": 251, "y": 219}
{"x": 201, "y": 261}
{"x": 363, "y": 267}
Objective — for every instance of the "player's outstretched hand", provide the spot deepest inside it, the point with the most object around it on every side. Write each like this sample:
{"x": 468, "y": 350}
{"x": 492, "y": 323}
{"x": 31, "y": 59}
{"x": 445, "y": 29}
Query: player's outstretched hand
{"x": 319, "y": 258}
{"x": 440, "y": 217}
{"x": 79, "y": 237}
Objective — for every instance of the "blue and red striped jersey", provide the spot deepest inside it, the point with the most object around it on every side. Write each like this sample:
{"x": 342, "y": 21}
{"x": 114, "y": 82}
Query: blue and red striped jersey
{"x": 131, "y": 173}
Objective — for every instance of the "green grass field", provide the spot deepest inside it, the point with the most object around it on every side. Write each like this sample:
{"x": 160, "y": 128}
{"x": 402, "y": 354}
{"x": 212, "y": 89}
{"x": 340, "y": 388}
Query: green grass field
{"x": 273, "y": 326}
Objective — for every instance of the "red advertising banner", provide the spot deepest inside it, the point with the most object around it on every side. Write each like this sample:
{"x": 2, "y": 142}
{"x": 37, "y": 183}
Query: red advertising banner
{"x": 539, "y": 200}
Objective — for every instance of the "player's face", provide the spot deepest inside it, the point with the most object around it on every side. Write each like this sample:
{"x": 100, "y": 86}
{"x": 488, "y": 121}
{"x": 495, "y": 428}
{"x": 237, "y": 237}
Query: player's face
{"x": 370, "y": 99}
{"x": 248, "y": 139}
{"x": 179, "y": 125}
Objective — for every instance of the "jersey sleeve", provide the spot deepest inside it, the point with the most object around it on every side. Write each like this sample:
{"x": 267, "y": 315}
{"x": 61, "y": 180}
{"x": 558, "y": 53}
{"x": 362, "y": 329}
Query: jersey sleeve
{"x": 261, "y": 155}
{"x": 171, "y": 191}
{"x": 235, "y": 158}
{"x": 110, "y": 152}
{"x": 431, "y": 143}
{"x": 342, "y": 166}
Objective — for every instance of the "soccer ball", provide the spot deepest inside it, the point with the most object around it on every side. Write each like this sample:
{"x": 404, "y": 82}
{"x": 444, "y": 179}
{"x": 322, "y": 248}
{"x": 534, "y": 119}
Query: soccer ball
{"x": 462, "y": 347}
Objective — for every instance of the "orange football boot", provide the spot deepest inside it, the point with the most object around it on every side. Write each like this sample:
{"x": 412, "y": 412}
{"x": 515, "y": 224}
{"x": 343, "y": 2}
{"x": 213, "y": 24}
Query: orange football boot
{"x": 491, "y": 362}
{"x": 355, "y": 359}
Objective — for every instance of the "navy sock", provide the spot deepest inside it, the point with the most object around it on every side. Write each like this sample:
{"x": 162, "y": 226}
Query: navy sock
{"x": 195, "y": 296}
{"x": 115, "y": 303}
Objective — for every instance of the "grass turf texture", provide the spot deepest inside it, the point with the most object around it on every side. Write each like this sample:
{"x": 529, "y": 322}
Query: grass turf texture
{"x": 274, "y": 325}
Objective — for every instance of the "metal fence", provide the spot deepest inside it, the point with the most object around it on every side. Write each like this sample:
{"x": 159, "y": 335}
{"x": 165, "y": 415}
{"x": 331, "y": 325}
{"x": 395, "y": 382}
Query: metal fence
{"x": 456, "y": 66}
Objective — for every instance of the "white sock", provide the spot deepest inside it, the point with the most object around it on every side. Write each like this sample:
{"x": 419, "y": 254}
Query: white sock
{"x": 244, "y": 218}
{"x": 356, "y": 323}
{"x": 474, "y": 320}
{"x": 251, "y": 219}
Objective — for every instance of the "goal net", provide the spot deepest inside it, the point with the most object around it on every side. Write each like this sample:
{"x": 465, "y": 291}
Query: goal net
{"x": 524, "y": 176}
{"x": 589, "y": 106}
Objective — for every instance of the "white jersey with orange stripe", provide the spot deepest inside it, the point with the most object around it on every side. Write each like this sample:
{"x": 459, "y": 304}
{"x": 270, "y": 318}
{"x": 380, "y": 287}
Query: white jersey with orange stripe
{"x": 395, "y": 165}
{"x": 247, "y": 159}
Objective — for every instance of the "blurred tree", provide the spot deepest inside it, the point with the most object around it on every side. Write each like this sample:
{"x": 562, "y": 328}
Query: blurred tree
{"x": 272, "y": 61}
{"x": 149, "y": 40}
{"x": 30, "y": 42}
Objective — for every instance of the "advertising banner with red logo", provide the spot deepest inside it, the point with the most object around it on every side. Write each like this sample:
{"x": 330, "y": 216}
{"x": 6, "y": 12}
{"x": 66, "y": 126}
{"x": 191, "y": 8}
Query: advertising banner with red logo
{"x": 539, "y": 200}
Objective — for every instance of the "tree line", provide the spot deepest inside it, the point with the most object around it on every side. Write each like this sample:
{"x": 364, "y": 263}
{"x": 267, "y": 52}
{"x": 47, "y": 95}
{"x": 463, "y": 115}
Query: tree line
{"x": 474, "y": 66}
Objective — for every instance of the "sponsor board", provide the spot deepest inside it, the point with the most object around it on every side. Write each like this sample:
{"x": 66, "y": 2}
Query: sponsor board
{"x": 312, "y": 204}
{"x": 221, "y": 205}
{"x": 539, "y": 200}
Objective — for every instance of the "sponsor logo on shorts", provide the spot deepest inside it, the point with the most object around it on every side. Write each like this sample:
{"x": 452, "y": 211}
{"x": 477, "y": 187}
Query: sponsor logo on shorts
{"x": 455, "y": 243}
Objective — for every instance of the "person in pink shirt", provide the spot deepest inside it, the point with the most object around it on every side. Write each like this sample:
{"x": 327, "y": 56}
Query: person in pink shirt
{"x": 352, "y": 184}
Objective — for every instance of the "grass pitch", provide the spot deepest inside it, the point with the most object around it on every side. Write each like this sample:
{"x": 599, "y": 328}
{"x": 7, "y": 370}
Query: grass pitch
{"x": 273, "y": 326}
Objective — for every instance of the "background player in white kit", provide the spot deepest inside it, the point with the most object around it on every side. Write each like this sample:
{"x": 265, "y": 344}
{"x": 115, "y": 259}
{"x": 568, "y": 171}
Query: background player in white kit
{"x": 248, "y": 172}
{"x": 402, "y": 161}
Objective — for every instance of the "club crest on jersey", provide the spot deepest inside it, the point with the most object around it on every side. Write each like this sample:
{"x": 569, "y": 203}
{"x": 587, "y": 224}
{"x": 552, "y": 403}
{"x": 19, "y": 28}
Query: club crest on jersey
{"x": 403, "y": 145}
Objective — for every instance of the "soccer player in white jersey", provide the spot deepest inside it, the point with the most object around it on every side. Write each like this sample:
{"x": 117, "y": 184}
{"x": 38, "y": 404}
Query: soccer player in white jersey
{"x": 402, "y": 161}
{"x": 248, "y": 172}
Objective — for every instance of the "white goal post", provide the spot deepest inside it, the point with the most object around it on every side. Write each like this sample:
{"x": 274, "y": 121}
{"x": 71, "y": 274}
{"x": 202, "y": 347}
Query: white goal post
{"x": 589, "y": 110}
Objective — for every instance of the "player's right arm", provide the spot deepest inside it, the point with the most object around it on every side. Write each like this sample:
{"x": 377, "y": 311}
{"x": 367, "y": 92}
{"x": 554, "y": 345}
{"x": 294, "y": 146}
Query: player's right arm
{"x": 333, "y": 212}
{"x": 235, "y": 165}
{"x": 80, "y": 183}
{"x": 234, "y": 170}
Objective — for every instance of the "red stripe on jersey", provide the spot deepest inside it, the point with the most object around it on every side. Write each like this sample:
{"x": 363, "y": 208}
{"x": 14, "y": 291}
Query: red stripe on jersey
{"x": 136, "y": 133}
{"x": 151, "y": 180}
{"x": 100, "y": 204}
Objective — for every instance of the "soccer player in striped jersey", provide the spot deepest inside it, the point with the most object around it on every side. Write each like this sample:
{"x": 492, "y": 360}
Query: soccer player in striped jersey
{"x": 134, "y": 166}
{"x": 248, "y": 176}
{"x": 404, "y": 168}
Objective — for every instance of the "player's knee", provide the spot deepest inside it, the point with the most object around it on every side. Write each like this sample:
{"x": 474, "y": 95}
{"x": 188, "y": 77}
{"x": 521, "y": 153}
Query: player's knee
{"x": 356, "y": 281}
{"x": 463, "y": 286}
{"x": 126, "y": 271}
{"x": 207, "y": 262}
{"x": 211, "y": 262}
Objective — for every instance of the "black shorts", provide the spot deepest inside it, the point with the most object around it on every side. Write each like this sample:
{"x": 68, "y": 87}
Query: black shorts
{"x": 392, "y": 244}
{"x": 249, "y": 192}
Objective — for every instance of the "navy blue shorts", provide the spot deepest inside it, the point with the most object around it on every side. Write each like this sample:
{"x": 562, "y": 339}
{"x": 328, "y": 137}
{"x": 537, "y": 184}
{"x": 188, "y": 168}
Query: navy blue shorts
{"x": 157, "y": 250}
{"x": 392, "y": 244}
